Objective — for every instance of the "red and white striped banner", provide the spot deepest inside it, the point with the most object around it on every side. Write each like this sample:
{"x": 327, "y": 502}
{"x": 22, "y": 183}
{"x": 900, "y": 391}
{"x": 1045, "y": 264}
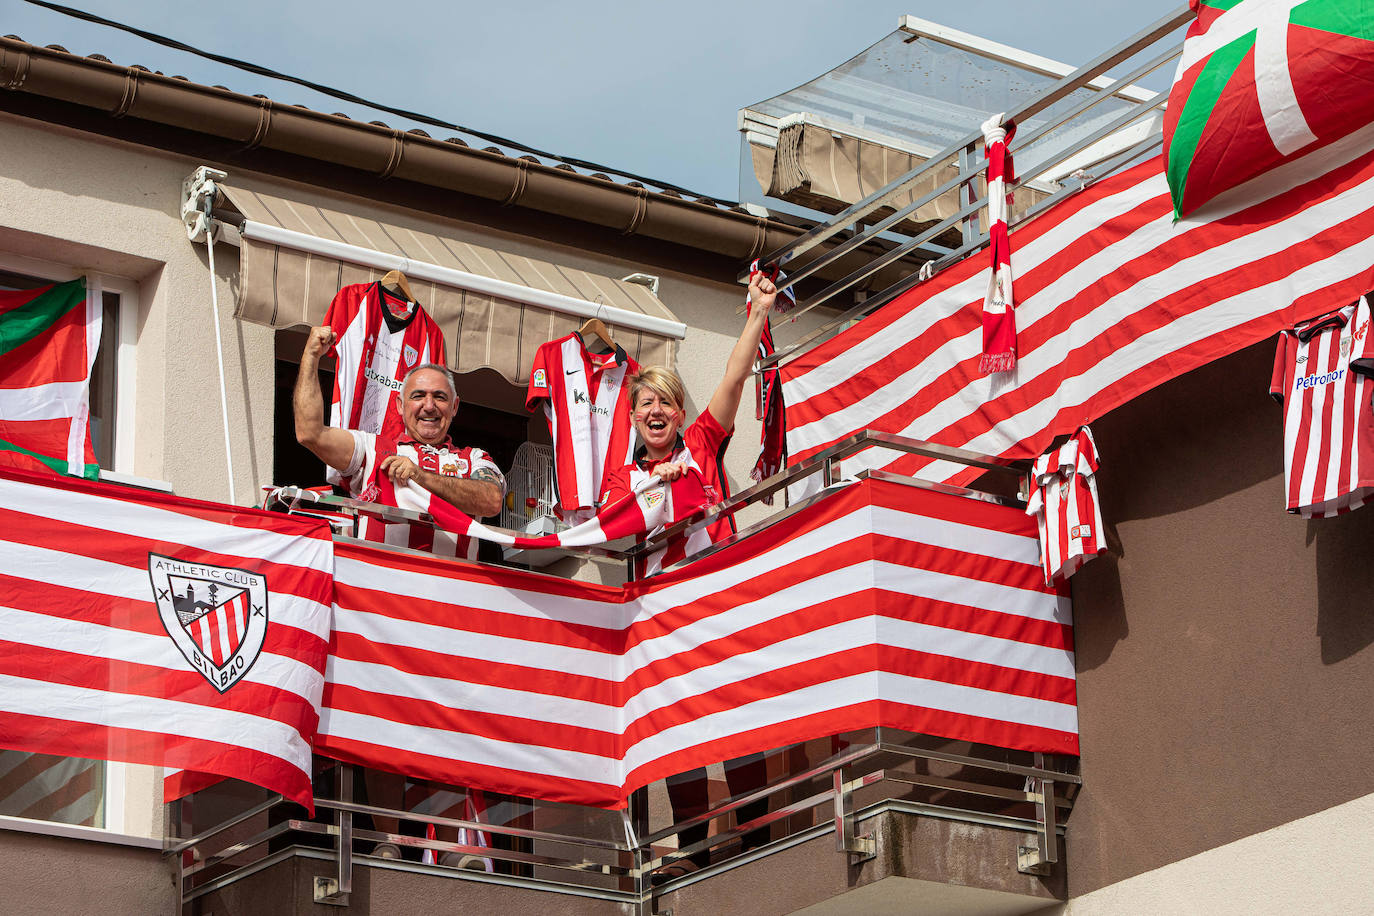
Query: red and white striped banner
{"x": 879, "y": 605}
{"x": 150, "y": 629}
{"x": 1114, "y": 298}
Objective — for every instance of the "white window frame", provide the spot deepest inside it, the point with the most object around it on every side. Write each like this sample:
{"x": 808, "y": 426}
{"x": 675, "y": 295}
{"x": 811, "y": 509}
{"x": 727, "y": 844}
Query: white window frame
{"x": 117, "y": 775}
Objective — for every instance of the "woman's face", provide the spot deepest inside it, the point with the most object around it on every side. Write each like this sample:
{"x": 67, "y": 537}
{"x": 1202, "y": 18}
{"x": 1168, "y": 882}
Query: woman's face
{"x": 657, "y": 420}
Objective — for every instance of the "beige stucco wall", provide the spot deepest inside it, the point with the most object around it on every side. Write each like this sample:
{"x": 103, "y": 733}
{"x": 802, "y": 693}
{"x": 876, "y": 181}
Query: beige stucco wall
{"x": 73, "y": 199}
{"x": 1319, "y": 864}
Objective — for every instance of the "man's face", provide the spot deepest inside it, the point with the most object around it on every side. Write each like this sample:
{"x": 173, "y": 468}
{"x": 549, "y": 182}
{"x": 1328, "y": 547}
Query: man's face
{"x": 427, "y": 407}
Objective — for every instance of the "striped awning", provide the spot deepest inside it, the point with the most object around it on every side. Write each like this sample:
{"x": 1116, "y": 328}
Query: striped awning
{"x": 495, "y": 308}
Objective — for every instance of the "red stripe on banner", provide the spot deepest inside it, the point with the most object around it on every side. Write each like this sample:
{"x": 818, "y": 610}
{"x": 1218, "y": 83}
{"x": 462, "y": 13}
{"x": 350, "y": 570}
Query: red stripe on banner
{"x": 70, "y": 604}
{"x": 183, "y": 782}
{"x": 775, "y": 578}
{"x": 238, "y": 517}
{"x": 39, "y": 734}
{"x": 55, "y": 666}
{"x": 947, "y": 561}
{"x": 780, "y": 682}
{"x": 478, "y": 620}
{"x": 485, "y": 672}
{"x": 978, "y": 621}
{"x": 977, "y": 729}
{"x": 418, "y": 765}
{"x": 515, "y": 730}
{"x": 129, "y": 550}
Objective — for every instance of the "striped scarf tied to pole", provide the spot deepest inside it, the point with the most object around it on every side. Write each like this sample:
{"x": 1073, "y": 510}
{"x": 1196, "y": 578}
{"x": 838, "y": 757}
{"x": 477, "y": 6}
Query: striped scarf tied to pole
{"x": 999, "y": 310}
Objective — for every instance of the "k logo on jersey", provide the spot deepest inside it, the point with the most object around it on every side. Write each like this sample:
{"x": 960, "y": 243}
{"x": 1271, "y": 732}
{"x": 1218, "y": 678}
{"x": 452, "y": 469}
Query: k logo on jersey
{"x": 216, "y": 615}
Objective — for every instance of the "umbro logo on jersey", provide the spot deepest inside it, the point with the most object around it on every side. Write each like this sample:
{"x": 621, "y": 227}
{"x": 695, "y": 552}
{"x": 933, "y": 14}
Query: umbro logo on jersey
{"x": 216, "y": 615}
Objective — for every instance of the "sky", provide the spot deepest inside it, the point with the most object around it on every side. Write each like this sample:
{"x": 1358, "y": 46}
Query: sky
{"x": 652, "y": 89}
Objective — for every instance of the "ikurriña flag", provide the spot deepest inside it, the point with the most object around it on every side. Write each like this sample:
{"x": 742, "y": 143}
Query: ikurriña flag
{"x": 146, "y": 628}
{"x": 48, "y": 341}
{"x": 1260, "y": 82}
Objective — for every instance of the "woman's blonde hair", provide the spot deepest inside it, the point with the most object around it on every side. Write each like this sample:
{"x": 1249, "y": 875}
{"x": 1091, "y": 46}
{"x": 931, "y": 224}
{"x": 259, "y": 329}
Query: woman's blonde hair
{"x": 662, "y": 381}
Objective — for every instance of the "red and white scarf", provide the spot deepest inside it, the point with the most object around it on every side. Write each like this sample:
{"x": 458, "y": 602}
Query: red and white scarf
{"x": 999, "y": 310}
{"x": 647, "y": 507}
{"x": 773, "y": 444}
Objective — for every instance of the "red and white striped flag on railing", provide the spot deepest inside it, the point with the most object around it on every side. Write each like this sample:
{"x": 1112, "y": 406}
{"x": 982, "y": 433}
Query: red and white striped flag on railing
{"x": 1114, "y": 298}
{"x": 151, "y": 629}
{"x": 881, "y": 604}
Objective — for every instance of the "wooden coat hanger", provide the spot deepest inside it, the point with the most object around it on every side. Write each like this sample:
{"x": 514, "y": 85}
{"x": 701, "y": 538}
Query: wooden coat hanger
{"x": 395, "y": 280}
{"x": 595, "y": 328}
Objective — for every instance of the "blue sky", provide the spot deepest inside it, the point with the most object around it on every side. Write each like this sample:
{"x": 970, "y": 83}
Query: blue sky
{"x": 644, "y": 87}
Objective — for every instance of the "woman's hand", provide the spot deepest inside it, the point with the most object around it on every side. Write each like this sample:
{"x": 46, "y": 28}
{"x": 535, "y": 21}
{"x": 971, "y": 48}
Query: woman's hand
{"x": 670, "y": 470}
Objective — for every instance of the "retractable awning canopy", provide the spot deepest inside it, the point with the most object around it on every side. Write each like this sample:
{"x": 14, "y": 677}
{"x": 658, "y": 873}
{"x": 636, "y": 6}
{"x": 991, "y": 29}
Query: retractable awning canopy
{"x": 494, "y": 307}
{"x": 853, "y": 130}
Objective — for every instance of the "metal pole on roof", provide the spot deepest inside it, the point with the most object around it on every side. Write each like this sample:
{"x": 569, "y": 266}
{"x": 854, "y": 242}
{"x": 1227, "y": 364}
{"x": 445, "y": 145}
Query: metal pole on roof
{"x": 219, "y": 347}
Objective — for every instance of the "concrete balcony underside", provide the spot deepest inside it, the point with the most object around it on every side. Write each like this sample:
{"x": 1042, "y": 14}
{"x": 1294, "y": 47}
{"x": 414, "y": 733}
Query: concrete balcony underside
{"x": 926, "y": 861}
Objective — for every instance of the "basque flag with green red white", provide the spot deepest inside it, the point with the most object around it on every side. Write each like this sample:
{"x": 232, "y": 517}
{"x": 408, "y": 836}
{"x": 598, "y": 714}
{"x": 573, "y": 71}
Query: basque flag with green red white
{"x": 1259, "y": 82}
{"x": 48, "y": 341}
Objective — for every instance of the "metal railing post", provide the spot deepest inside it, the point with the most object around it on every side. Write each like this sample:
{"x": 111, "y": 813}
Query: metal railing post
{"x": 335, "y": 891}
{"x": 859, "y": 848}
{"x": 1037, "y": 859}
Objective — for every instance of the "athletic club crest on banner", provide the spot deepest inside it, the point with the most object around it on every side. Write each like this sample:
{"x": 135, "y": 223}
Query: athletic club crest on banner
{"x": 216, "y": 615}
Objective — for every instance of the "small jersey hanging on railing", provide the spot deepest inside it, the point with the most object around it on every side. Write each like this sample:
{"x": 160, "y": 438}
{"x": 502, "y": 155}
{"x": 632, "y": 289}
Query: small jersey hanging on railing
{"x": 999, "y": 309}
{"x": 1064, "y": 502}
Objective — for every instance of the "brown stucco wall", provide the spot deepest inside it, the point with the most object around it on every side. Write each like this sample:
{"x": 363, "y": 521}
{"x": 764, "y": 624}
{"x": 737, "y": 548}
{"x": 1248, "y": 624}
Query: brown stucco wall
{"x": 1225, "y": 669}
{"x": 54, "y": 876}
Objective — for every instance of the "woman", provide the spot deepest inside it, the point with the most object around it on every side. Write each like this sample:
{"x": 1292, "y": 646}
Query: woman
{"x": 689, "y": 460}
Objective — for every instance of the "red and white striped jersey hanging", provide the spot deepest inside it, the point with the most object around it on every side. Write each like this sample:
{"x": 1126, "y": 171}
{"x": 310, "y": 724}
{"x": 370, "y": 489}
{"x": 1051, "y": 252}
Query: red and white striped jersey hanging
{"x": 1065, "y": 507}
{"x": 378, "y": 339}
{"x": 586, "y": 398}
{"x": 999, "y": 308}
{"x": 1322, "y": 378}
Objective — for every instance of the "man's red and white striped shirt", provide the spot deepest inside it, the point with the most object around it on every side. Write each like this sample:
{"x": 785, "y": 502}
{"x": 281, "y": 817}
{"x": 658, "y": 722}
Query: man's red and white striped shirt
{"x": 1322, "y": 377}
{"x": 1065, "y": 505}
{"x": 366, "y": 481}
{"x": 378, "y": 339}
{"x": 587, "y": 402}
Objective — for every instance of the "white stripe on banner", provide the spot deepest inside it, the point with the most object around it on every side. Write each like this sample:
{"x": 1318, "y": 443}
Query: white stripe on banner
{"x": 141, "y": 520}
{"x": 57, "y": 634}
{"x": 156, "y": 714}
{"x": 388, "y": 735}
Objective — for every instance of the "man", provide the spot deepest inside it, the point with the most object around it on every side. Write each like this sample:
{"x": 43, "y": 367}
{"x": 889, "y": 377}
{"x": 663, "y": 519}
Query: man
{"x": 406, "y": 471}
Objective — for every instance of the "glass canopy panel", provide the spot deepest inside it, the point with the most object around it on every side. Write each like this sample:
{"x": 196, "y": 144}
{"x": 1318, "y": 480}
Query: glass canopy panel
{"x": 919, "y": 95}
